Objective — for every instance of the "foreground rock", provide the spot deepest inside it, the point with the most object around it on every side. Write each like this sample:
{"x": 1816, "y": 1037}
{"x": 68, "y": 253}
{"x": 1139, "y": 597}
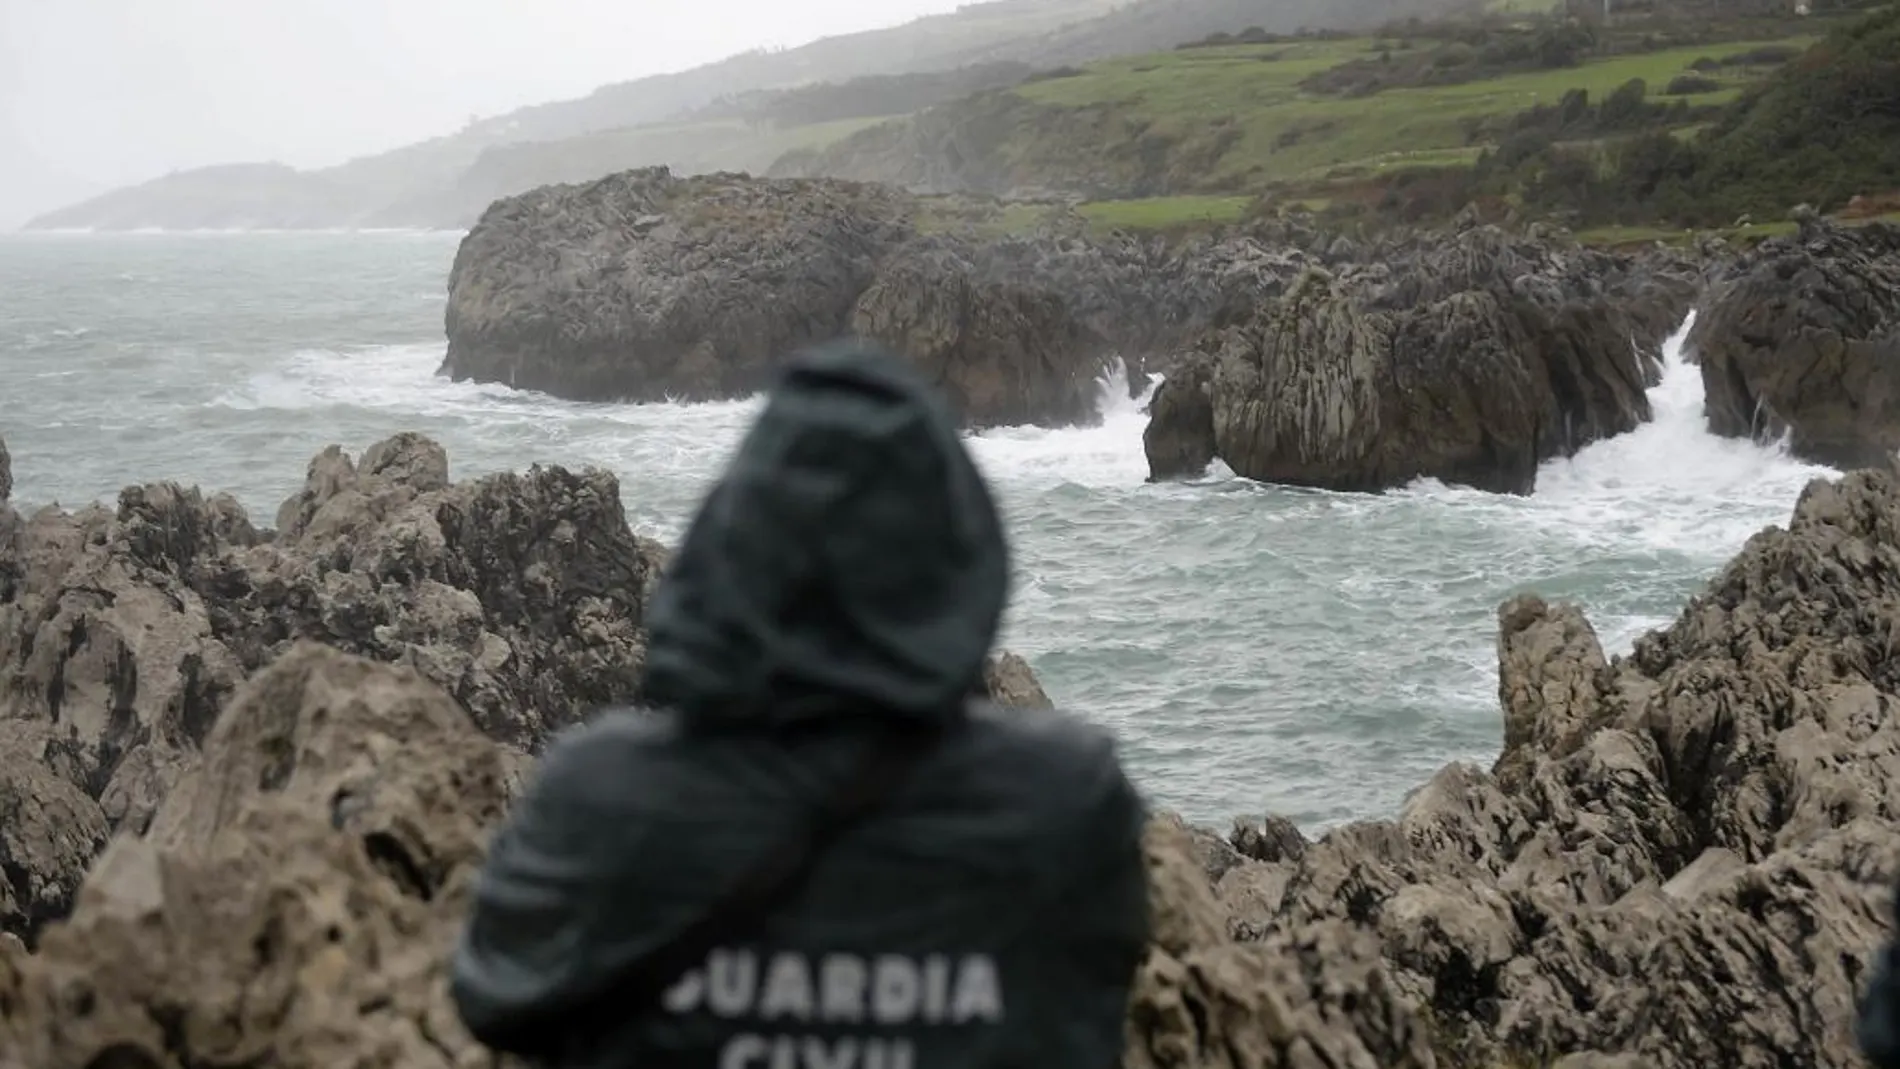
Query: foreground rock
{"x": 1802, "y": 340}
{"x": 124, "y": 631}
{"x": 296, "y": 900}
{"x": 1681, "y": 859}
{"x": 1318, "y": 995}
{"x": 1472, "y": 359}
{"x": 1685, "y": 856}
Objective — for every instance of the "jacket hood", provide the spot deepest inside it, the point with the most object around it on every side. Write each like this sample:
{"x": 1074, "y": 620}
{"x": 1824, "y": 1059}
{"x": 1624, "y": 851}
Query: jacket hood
{"x": 849, "y": 561}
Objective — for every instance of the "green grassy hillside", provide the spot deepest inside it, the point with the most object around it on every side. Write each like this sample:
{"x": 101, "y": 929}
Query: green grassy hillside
{"x": 760, "y": 96}
{"x": 1524, "y": 115}
{"x": 1271, "y": 129}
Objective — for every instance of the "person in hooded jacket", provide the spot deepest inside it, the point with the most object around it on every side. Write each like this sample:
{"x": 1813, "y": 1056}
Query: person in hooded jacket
{"x": 1878, "y": 1023}
{"x": 829, "y": 612}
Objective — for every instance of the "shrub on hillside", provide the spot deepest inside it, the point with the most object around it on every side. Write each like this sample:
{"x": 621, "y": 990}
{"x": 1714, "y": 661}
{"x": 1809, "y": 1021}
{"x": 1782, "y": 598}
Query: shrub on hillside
{"x": 1683, "y": 85}
{"x": 1822, "y": 129}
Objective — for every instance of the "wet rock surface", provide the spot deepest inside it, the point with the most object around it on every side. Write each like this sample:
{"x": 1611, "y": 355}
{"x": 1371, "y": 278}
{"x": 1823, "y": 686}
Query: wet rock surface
{"x": 1464, "y": 354}
{"x": 295, "y": 904}
{"x": 1003, "y": 352}
{"x": 125, "y": 631}
{"x": 1681, "y": 858}
{"x": 1471, "y": 357}
{"x": 1800, "y": 338}
{"x": 644, "y": 286}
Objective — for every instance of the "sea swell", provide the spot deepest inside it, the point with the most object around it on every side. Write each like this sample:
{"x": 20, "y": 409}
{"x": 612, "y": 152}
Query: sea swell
{"x": 1255, "y": 647}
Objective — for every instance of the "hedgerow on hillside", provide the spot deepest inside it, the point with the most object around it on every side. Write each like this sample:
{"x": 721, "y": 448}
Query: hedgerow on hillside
{"x": 1821, "y": 130}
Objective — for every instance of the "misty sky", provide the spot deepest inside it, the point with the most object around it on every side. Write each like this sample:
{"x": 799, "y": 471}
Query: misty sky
{"x": 101, "y": 93}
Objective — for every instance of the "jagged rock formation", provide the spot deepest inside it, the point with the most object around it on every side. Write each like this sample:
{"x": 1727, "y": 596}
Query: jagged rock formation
{"x": 1316, "y": 996}
{"x": 1143, "y": 296}
{"x": 1471, "y": 358}
{"x": 646, "y": 286}
{"x": 1011, "y": 682}
{"x": 1801, "y": 338}
{"x": 296, "y": 897}
{"x": 124, "y": 632}
{"x": 1682, "y": 857}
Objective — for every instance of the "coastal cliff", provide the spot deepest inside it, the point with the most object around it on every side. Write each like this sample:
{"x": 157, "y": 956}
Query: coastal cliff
{"x": 1468, "y": 355}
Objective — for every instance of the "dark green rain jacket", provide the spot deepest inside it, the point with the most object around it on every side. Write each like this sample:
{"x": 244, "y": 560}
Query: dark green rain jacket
{"x": 1877, "y": 1025}
{"x": 848, "y": 569}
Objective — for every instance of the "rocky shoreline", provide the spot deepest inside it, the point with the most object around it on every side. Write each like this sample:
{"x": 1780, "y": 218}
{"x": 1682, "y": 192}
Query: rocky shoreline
{"x": 125, "y": 632}
{"x": 1305, "y": 358}
{"x": 247, "y": 772}
{"x": 247, "y": 776}
{"x": 1293, "y": 355}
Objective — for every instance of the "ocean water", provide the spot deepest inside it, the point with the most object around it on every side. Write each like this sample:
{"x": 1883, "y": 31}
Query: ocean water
{"x": 1255, "y": 648}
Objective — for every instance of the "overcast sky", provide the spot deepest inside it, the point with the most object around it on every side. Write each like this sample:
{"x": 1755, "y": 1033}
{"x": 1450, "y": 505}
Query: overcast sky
{"x": 101, "y": 93}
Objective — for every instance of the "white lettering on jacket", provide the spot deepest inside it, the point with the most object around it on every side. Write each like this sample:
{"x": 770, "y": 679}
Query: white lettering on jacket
{"x": 809, "y": 1052}
{"x": 887, "y": 991}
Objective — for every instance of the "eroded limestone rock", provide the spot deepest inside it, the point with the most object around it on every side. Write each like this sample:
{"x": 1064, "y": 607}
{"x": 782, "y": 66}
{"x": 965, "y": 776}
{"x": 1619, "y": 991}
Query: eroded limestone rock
{"x": 1801, "y": 339}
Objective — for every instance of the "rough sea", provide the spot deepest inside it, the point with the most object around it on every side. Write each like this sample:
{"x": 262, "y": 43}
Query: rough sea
{"x": 1256, "y": 649}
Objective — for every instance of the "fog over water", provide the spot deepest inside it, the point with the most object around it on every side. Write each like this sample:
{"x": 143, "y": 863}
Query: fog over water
{"x": 96, "y": 94}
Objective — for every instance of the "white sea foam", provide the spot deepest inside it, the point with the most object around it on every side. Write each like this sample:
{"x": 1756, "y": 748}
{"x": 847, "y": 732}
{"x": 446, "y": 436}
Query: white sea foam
{"x": 1239, "y": 611}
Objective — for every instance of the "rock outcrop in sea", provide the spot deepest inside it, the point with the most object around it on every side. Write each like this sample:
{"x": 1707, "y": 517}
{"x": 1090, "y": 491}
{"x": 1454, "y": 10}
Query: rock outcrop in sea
{"x": 125, "y": 632}
{"x": 644, "y": 286}
{"x": 1682, "y": 858}
{"x": 1302, "y": 357}
{"x": 1800, "y": 339}
{"x": 1470, "y": 357}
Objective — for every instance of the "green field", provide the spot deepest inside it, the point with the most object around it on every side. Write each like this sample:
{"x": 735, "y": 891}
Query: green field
{"x": 1165, "y": 213}
{"x": 699, "y": 147}
{"x": 1288, "y": 134}
{"x": 1191, "y": 212}
{"x": 1633, "y": 123}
